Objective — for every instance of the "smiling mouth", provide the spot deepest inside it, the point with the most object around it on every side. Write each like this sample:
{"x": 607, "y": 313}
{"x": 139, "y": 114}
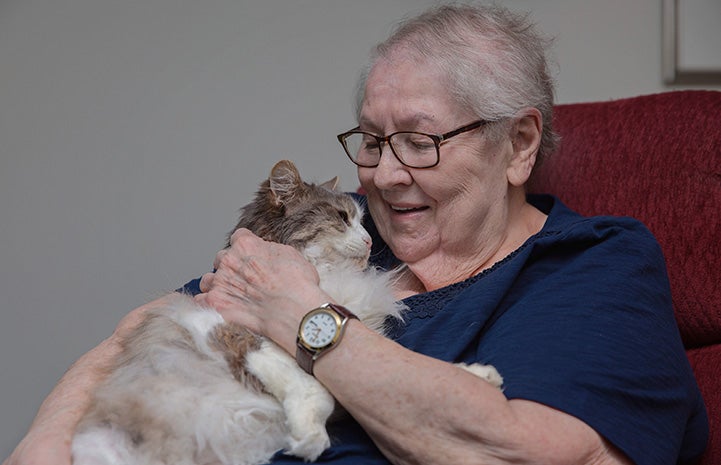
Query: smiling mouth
{"x": 407, "y": 209}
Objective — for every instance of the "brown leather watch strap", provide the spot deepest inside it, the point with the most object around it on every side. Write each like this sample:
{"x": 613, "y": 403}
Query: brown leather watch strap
{"x": 306, "y": 356}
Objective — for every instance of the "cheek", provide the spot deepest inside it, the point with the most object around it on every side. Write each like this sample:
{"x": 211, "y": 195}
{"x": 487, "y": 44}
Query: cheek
{"x": 480, "y": 177}
{"x": 459, "y": 197}
{"x": 368, "y": 188}
{"x": 442, "y": 188}
{"x": 365, "y": 178}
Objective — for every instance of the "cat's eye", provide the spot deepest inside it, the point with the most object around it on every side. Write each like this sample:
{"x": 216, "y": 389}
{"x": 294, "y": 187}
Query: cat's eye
{"x": 344, "y": 216}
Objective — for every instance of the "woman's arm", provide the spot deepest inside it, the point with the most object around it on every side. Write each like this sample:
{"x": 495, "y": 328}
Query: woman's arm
{"x": 49, "y": 439}
{"x": 422, "y": 410}
{"x": 416, "y": 409}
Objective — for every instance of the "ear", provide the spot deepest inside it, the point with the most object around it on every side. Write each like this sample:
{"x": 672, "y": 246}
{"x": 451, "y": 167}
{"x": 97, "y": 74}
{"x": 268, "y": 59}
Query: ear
{"x": 525, "y": 139}
{"x": 284, "y": 182}
{"x": 330, "y": 184}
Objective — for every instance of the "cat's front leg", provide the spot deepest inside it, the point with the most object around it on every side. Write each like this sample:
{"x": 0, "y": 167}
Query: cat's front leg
{"x": 307, "y": 404}
{"x": 485, "y": 372}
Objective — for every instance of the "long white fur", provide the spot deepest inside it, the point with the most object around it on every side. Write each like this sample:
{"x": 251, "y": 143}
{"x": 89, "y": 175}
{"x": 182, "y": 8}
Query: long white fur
{"x": 211, "y": 417}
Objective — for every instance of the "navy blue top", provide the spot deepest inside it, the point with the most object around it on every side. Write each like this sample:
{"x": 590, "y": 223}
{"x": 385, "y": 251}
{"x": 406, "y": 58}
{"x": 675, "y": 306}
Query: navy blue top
{"x": 579, "y": 318}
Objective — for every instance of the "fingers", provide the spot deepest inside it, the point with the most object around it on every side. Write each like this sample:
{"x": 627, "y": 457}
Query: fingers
{"x": 228, "y": 265}
{"x": 242, "y": 243}
{"x": 242, "y": 233}
{"x": 254, "y": 270}
{"x": 239, "y": 277}
{"x": 206, "y": 282}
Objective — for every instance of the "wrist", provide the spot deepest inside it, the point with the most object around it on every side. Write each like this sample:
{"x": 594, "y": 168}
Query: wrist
{"x": 320, "y": 331}
{"x": 284, "y": 330}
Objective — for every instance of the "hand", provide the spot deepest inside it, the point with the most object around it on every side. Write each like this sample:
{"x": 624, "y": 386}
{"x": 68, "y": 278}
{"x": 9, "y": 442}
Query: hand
{"x": 265, "y": 286}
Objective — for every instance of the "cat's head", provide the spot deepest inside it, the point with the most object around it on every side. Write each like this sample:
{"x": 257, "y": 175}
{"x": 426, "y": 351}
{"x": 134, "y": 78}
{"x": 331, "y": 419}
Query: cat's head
{"x": 322, "y": 223}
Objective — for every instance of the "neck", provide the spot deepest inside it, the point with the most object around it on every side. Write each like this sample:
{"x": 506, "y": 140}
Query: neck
{"x": 442, "y": 269}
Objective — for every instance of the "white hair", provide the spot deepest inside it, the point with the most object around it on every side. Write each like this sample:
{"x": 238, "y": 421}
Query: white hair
{"x": 494, "y": 59}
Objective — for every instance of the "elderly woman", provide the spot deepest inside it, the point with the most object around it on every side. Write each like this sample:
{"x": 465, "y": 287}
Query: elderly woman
{"x": 454, "y": 113}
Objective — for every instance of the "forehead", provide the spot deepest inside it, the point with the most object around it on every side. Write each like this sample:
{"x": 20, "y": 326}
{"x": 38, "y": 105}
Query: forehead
{"x": 407, "y": 93}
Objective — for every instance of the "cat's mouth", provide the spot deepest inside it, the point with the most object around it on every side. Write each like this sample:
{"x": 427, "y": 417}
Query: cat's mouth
{"x": 362, "y": 263}
{"x": 358, "y": 257}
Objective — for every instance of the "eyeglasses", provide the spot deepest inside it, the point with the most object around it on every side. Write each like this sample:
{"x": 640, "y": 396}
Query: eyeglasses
{"x": 412, "y": 149}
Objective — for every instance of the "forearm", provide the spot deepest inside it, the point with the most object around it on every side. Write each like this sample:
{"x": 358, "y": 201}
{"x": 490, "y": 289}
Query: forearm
{"x": 50, "y": 435}
{"x": 409, "y": 418}
{"x": 48, "y": 441}
{"x": 422, "y": 410}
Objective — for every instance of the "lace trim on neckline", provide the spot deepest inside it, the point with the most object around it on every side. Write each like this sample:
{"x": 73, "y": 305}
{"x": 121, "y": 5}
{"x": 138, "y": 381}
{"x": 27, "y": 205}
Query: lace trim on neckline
{"x": 427, "y": 304}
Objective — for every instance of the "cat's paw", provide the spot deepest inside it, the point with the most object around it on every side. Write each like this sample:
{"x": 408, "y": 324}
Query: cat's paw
{"x": 486, "y": 372}
{"x": 307, "y": 408}
{"x": 310, "y": 446}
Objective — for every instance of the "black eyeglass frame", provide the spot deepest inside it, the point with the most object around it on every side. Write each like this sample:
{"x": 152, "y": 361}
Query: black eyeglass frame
{"x": 437, "y": 140}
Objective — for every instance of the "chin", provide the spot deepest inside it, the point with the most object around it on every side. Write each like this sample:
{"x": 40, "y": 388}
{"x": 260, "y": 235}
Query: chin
{"x": 405, "y": 253}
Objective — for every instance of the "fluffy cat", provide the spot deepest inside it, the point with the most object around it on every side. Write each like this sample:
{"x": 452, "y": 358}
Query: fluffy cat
{"x": 192, "y": 389}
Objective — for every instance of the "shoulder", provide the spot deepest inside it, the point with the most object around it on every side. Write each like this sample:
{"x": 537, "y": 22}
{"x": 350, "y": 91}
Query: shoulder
{"x": 568, "y": 224}
{"x": 612, "y": 241}
{"x": 592, "y": 302}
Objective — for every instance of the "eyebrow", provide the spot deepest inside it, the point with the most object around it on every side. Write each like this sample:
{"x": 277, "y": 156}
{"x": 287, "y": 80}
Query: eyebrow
{"x": 406, "y": 123}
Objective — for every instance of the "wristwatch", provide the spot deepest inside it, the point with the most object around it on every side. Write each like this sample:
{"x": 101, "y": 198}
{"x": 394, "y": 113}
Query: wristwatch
{"x": 320, "y": 330}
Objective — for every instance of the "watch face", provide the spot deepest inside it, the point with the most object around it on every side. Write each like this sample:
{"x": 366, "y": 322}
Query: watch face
{"x": 319, "y": 330}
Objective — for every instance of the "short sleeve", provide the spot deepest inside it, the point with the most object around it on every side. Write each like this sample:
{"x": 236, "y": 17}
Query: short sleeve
{"x": 589, "y": 329}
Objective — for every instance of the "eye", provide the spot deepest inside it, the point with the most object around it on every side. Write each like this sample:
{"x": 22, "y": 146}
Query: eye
{"x": 344, "y": 216}
{"x": 369, "y": 147}
{"x": 369, "y": 143}
{"x": 420, "y": 142}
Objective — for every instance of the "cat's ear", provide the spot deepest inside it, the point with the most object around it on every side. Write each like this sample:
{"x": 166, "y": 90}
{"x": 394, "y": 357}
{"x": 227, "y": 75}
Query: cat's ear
{"x": 284, "y": 181}
{"x": 330, "y": 184}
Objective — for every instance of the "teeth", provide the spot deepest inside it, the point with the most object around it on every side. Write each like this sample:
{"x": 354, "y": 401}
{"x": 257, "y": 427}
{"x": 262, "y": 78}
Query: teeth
{"x": 404, "y": 209}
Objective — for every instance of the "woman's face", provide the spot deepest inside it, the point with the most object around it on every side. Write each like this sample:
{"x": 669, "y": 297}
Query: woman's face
{"x": 452, "y": 209}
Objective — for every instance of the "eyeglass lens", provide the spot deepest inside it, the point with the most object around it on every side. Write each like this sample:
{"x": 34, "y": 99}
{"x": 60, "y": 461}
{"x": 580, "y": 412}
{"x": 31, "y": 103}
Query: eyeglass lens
{"x": 411, "y": 148}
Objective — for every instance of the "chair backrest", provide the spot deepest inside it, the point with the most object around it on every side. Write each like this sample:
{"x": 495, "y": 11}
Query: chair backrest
{"x": 656, "y": 158}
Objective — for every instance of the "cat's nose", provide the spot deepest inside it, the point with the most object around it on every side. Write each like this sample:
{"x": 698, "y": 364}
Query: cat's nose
{"x": 368, "y": 241}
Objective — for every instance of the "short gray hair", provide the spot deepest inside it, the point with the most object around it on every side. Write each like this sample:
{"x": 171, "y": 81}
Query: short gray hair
{"x": 495, "y": 60}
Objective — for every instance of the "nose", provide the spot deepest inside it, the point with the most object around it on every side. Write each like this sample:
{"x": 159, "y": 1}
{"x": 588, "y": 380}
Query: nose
{"x": 368, "y": 241}
{"x": 390, "y": 171}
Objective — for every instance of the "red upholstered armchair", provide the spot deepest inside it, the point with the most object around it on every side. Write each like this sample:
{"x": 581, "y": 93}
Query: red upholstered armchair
{"x": 657, "y": 158}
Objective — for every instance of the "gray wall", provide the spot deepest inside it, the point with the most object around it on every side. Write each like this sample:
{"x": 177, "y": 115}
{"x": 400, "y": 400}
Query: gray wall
{"x": 131, "y": 132}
